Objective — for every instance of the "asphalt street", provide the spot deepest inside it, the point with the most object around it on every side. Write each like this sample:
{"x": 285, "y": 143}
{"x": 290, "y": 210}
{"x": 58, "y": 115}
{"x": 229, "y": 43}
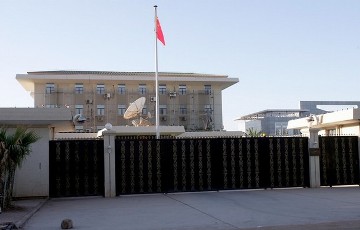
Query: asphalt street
{"x": 299, "y": 208}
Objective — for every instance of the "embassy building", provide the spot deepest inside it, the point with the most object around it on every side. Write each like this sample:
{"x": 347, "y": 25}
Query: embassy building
{"x": 95, "y": 98}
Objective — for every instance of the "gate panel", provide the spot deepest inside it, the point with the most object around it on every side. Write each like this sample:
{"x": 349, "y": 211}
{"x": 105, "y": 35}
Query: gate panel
{"x": 339, "y": 160}
{"x": 188, "y": 165}
{"x": 138, "y": 166}
{"x": 239, "y": 163}
{"x": 288, "y": 162}
{"x": 203, "y": 164}
{"x": 76, "y": 168}
{"x": 264, "y": 163}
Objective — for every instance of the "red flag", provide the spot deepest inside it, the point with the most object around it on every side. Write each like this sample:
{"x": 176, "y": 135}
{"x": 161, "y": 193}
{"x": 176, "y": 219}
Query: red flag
{"x": 159, "y": 33}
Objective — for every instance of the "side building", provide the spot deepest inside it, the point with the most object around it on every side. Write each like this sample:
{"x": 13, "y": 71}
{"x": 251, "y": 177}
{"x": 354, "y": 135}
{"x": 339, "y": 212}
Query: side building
{"x": 185, "y": 99}
{"x": 274, "y": 122}
{"x": 32, "y": 178}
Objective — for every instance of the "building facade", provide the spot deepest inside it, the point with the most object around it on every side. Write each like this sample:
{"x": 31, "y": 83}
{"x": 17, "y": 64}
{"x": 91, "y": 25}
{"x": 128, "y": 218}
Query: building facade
{"x": 271, "y": 122}
{"x": 275, "y": 122}
{"x": 96, "y": 98}
{"x": 322, "y": 107}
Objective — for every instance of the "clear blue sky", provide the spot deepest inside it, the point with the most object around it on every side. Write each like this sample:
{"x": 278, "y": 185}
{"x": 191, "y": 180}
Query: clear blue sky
{"x": 282, "y": 51}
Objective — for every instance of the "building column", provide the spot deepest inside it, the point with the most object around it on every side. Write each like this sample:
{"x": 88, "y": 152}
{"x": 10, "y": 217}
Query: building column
{"x": 314, "y": 158}
{"x": 109, "y": 163}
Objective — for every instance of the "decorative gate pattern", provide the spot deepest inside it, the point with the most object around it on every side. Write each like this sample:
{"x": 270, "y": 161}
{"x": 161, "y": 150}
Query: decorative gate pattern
{"x": 265, "y": 162}
{"x": 138, "y": 166}
{"x": 189, "y": 165}
{"x": 76, "y": 168}
{"x": 174, "y": 165}
{"x": 339, "y": 160}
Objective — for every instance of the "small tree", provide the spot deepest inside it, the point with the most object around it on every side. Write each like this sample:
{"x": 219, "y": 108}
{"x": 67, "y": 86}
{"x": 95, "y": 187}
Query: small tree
{"x": 14, "y": 148}
{"x": 254, "y": 133}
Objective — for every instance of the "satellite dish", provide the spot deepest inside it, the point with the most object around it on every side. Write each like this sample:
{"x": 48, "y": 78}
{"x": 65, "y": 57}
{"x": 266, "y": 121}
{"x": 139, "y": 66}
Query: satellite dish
{"x": 144, "y": 122}
{"x": 135, "y": 108}
{"x": 135, "y": 122}
{"x": 79, "y": 118}
{"x": 134, "y": 112}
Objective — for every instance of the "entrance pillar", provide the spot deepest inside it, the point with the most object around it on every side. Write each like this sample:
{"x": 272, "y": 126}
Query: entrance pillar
{"x": 109, "y": 163}
{"x": 314, "y": 164}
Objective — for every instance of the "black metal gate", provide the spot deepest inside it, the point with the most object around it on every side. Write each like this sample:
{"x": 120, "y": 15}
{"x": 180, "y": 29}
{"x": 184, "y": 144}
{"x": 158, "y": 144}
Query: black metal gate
{"x": 173, "y": 165}
{"x": 339, "y": 160}
{"x": 76, "y": 168}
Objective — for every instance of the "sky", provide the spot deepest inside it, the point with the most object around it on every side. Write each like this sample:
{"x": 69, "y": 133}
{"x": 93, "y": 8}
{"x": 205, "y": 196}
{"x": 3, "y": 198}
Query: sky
{"x": 282, "y": 51}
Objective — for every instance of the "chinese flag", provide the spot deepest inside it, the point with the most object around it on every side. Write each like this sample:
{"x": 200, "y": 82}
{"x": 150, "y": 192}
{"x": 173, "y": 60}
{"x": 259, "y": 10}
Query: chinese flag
{"x": 159, "y": 33}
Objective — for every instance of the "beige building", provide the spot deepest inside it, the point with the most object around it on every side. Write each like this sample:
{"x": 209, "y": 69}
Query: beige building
{"x": 185, "y": 99}
{"x": 32, "y": 178}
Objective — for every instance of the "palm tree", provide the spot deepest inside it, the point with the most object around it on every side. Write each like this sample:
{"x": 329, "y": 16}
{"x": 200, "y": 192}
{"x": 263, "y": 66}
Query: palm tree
{"x": 14, "y": 148}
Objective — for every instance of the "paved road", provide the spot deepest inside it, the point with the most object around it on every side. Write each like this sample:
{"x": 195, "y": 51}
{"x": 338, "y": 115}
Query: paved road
{"x": 323, "y": 208}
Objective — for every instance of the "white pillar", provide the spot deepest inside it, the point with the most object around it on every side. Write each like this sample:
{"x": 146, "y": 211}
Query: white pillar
{"x": 109, "y": 163}
{"x": 314, "y": 158}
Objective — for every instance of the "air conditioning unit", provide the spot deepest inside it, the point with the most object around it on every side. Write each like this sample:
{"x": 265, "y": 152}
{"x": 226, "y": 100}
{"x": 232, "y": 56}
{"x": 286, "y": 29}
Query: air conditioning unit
{"x": 107, "y": 95}
{"x": 152, "y": 99}
{"x": 163, "y": 118}
{"x": 100, "y": 118}
{"x": 172, "y": 94}
{"x": 183, "y": 118}
{"x": 89, "y": 101}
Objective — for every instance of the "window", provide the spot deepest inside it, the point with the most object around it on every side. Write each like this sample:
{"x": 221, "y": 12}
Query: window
{"x": 121, "y": 109}
{"x": 183, "y": 109}
{"x": 294, "y": 132}
{"x": 144, "y": 111}
{"x": 162, "y": 109}
{"x": 79, "y": 109}
{"x": 281, "y": 128}
{"x": 142, "y": 89}
{"x": 50, "y": 106}
{"x": 100, "y": 109}
{"x": 121, "y": 88}
{"x": 100, "y": 88}
{"x": 207, "y": 89}
{"x": 162, "y": 89}
{"x": 182, "y": 89}
{"x": 50, "y": 88}
{"x": 79, "y": 88}
{"x": 332, "y": 132}
{"x": 208, "y": 109}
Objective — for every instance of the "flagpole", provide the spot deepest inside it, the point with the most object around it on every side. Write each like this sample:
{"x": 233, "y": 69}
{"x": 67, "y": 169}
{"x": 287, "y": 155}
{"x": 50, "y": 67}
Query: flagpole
{"x": 156, "y": 79}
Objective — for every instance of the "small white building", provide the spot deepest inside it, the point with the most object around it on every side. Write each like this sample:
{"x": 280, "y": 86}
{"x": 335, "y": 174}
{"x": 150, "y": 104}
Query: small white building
{"x": 32, "y": 179}
{"x": 344, "y": 122}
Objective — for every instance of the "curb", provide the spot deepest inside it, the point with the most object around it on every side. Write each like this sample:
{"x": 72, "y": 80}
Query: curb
{"x": 20, "y": 223}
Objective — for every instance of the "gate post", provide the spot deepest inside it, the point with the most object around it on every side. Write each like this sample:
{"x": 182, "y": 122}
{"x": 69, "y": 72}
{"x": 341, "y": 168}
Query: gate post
{"x": 314, "y": 164}
{"x": 359, "y": 155}
{"x": 109, "y": 163}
